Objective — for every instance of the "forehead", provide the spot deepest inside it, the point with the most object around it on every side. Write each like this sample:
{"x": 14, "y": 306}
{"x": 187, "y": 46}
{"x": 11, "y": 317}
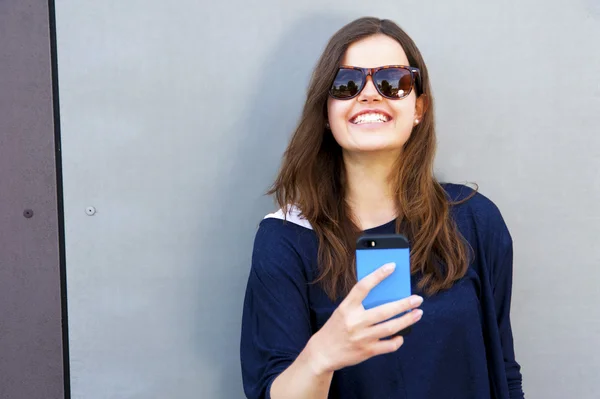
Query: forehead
{"x": 375, "y": 51}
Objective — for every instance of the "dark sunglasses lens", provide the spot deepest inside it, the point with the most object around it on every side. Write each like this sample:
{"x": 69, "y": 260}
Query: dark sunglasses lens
{"x": 394, "y": 82}
{"x": 347, "y": 83}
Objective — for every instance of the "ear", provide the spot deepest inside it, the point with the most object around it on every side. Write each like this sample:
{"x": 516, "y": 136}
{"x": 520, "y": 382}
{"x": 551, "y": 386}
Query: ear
{"x": 421, "y": 106}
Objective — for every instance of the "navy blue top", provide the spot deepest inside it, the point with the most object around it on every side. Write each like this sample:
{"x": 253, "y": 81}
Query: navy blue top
{"x": 462, "y": 348}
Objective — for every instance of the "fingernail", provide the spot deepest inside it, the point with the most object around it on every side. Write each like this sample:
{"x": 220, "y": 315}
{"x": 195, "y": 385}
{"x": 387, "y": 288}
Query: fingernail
{"x": 417, "y": 313}
{"x": 388, "y": 267}
{"x": 416, "y": 300}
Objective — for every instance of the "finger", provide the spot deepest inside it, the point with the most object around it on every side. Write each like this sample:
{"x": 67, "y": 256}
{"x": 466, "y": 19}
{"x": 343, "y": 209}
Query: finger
{"x": 391, "y": 327}
{"x": 388, "y": 310}
{"x": 361, "y": 289}
{"x": 387, "y": 345}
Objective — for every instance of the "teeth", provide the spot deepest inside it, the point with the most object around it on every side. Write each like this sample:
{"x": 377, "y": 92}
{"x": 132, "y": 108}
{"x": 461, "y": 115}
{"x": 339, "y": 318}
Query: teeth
{"x": 370, "y": 118}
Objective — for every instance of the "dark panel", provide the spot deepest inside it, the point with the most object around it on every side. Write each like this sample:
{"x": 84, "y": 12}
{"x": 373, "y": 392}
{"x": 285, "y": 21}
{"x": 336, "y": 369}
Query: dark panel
{"x": 31, "y": 350}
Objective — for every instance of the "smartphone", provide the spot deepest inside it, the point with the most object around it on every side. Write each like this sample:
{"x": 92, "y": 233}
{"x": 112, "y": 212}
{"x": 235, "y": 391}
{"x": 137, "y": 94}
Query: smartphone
{"x": 372, "y": 252}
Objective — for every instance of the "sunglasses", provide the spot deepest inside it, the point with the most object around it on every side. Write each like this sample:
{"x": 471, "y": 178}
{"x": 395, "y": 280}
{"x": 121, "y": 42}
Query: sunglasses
{"x": 394, "y": 82}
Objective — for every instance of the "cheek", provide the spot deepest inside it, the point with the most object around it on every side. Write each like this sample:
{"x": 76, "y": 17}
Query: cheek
{"x": 336, "y": 117}
{"x": 337, "y": 111}
{"x": 404, "y": 112}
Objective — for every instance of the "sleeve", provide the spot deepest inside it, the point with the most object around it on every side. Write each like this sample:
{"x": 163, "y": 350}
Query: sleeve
{"x": 503, "y": 273}
{"x": 276, "y": 318}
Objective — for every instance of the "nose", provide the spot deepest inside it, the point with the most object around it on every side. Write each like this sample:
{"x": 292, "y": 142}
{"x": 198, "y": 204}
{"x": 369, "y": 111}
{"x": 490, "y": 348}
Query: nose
{"x": 369, "y": 93}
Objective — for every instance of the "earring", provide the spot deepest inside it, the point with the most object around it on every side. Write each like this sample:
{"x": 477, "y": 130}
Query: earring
{"x": 416, "y": 122}
{"x": 327, "y": 125}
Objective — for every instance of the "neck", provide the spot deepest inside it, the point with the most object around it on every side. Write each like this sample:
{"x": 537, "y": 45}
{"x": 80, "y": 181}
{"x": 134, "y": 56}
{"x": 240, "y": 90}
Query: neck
{"x": 369, "y": 193}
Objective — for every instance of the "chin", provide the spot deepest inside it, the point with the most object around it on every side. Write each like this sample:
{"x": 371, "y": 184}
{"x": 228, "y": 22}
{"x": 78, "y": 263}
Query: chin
{"x": 374, "y": 147}
{"x": 373, "y": 143}
{"x": 371, "y": 140}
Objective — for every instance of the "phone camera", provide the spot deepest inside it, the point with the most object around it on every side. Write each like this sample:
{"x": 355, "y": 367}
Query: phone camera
{"x": 369, "y": 243}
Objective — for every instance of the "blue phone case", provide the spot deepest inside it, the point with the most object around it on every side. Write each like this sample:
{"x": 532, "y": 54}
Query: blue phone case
{"x": 372, "y": 252}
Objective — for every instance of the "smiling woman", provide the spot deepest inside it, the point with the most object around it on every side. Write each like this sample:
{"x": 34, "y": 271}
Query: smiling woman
{"x": 361, "y": 162}
{"x": 370, "y": 123}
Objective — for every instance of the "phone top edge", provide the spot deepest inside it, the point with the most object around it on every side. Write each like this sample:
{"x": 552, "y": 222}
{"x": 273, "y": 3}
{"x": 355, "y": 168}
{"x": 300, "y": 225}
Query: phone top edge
{"x": 382, "y": 240}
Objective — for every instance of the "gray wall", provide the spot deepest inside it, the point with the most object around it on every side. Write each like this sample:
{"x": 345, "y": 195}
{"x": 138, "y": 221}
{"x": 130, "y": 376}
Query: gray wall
{"x": 173, "y": 124}
{"x": 31, "y": 350}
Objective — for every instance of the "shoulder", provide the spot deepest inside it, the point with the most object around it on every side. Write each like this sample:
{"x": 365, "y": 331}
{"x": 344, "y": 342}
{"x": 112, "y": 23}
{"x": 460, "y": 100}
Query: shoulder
{"x": 467, "y": 201}
{"x": 476, "y": 212}
{"x": 291, "y": 214}
{"x": 284, "y": 243}
{"x": 285, "y": 227}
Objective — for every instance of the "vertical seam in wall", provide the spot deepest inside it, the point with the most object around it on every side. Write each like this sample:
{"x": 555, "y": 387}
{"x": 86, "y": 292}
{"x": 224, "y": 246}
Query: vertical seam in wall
{"x": 60, "y": 207}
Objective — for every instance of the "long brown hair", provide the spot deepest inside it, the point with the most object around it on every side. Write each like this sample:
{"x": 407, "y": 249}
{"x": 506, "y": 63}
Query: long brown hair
{"x": 312, "y": 176}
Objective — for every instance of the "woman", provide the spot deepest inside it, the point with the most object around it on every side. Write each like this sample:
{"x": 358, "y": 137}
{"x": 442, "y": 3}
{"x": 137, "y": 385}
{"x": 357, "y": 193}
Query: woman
{"x": 361, "y": 161}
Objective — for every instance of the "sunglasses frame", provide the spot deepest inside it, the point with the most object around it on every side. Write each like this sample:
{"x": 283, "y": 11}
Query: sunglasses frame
{"x": 415, "y": 75}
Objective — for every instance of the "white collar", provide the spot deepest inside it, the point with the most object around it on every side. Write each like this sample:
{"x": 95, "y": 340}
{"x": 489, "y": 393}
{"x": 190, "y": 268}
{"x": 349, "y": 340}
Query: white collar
{"x": 293, "y": 215}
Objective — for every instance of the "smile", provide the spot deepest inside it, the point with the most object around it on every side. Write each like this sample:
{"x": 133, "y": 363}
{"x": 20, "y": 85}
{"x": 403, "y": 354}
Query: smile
{"x": 371, "y": 117}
